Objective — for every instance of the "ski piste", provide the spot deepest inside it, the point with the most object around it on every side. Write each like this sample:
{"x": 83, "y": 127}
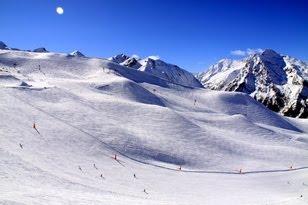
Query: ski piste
{"x": 184, "y": 145}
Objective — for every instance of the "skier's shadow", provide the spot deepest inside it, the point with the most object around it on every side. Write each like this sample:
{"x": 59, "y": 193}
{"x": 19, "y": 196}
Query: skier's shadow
{"x": 120, "y": 162}
{"x": 38, "y": 132}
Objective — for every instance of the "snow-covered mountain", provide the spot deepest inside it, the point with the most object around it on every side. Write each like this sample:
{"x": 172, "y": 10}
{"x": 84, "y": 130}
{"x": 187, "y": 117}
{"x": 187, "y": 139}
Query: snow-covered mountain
{"x": 77, "y": 130}
{"x": 158, "y": 68}
{"x": 279, "y": 82}
{"x": 76, "y": 54}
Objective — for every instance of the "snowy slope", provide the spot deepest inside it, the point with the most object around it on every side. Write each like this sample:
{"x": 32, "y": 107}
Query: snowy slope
{"x": 158, "y": 68}
{"x": 279, "y": 82}
{"x": 86, "y": 110}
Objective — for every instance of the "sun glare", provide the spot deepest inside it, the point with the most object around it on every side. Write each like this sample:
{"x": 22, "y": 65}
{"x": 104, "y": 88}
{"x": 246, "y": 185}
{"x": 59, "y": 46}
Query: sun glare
{"x": 60, "y": 10}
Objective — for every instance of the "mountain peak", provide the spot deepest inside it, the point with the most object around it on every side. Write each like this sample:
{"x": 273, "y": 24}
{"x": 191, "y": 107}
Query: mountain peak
{"x": 274, "y": 64}
{"x": 154, "y": 57}
{"x": 272, "y": 79}
{"x": 76, "y": 53}
{"x": 270, "y": 53}
{"x": 40, "y": 50}
{"x": 158, "y": 68}
{"x": 3, "y": 45}
{"x": 120, "y": 58}
{"x": 131, "y": 62}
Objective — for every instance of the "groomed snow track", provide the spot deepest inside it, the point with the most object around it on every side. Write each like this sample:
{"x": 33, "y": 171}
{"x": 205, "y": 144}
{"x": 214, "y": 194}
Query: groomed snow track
{"x": 115, "y": 151}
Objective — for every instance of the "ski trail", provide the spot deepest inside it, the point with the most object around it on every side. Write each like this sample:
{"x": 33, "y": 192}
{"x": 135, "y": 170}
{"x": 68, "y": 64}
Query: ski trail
{"x": 148, "y": 163}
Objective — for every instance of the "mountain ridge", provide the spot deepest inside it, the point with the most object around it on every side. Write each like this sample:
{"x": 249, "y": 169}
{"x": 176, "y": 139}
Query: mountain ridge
{"x": 277, "y": 81}
{"x": 158, "y": 68}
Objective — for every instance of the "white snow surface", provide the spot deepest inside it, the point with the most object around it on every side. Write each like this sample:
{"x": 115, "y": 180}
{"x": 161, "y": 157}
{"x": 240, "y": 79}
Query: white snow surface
{"x": 86, "y": 110}
{"x": 154, "y": 66}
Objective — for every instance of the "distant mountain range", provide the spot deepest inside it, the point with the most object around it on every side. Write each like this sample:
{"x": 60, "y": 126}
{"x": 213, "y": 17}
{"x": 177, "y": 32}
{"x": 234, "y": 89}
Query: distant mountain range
{"x": 158, "y": 68}
{"x": 278, "y": 81}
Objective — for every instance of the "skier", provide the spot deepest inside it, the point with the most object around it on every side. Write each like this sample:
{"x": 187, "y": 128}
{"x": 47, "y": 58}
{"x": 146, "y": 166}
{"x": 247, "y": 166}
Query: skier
{"x": 94, "y": 166}
{"x": 34, "y": 127}
{"x": 115, "y": 157}
{"x": 195, "y": 102}
{"x": 135, "y": 176}
{"x": 240, "y": 171}
{"x": 291, "y": 167}
{"x": 20, "y": 145}
{"x": 145, "y": 191}
{"x": 180, "y": 168}
{"x": 79, "y": 168}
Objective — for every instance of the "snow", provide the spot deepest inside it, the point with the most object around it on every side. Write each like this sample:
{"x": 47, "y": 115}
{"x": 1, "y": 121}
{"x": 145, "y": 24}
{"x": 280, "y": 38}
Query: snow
{"x": 86, "y": 110}
{"x": 154, "y": 66}
{"x": 277, "y": 81}
{"x": 76, "y": 54}
{"x": 224, "y": 71}
{"x": 169, "y": 72}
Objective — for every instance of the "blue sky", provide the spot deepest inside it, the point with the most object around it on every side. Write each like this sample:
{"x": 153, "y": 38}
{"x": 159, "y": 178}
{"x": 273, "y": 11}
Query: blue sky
{"x": 191, "y": 34}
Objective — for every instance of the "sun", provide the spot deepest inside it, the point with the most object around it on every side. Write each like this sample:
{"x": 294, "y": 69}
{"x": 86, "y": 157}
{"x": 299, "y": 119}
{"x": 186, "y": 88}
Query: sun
{"x": 60, "y": 10}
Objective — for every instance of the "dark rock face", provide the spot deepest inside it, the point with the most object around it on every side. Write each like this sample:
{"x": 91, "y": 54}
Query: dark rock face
{"x": 132, "y": 63}
{"x": 40, "y": 50}
{"x": 279, "y": 82}
{"x": 3, "y": 45}
{"x": 119, "y": 58}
